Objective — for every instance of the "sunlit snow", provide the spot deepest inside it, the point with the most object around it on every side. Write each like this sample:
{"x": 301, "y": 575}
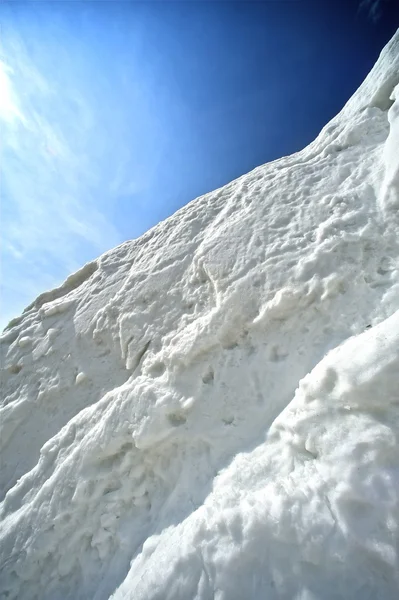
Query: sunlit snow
{"x": 211, "y": 411}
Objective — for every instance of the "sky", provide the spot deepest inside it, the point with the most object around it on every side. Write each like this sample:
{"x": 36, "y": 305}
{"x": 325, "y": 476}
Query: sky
{"x": 115, "y": 114}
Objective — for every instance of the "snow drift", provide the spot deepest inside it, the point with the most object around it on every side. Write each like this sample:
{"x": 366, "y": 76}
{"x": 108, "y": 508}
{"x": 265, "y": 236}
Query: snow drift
{"x": 211, "y": 411}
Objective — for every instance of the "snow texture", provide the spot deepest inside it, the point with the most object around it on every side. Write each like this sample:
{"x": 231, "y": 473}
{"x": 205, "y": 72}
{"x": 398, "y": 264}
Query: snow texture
{"x": 211, "y": 411}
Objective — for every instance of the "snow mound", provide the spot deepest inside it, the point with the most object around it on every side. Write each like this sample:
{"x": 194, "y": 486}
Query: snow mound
{"x": 212, "y": 410}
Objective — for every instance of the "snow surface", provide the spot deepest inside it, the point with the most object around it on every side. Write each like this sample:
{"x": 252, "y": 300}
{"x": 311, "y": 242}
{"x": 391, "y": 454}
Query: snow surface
{"x": 211, "y": 411}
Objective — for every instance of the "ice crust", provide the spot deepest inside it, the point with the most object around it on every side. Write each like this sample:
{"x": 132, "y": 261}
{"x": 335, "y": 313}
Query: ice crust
{"x": 211, "y": 411}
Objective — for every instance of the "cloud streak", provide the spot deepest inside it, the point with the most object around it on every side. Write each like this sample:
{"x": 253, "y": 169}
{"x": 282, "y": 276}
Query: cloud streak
{"x": 53, "y": 216}
{"x": 85, "y": 124}
{"x": 374, "y": 8}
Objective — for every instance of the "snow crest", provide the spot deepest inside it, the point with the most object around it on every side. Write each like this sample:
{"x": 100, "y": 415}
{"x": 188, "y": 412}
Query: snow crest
{"x": 212, "y": 410}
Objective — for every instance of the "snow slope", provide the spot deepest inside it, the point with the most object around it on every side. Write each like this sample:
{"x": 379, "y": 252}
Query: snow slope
{"x": 211, "y": 411}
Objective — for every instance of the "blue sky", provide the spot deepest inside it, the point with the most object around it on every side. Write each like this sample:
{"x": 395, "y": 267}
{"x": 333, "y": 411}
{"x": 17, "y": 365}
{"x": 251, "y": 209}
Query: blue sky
{"x": 115, "y": 114}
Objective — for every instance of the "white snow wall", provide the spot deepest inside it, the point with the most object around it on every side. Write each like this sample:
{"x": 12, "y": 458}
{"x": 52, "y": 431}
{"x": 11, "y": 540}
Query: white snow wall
{"x": 211, "y": 411}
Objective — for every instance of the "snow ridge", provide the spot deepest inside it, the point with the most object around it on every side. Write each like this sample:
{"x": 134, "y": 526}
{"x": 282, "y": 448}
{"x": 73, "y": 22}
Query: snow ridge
{"x": 211, "y": 410}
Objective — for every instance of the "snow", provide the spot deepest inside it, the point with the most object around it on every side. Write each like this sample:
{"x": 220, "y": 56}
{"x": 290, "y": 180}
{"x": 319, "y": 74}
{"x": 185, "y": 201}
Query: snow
{"x": 211, "y": 411}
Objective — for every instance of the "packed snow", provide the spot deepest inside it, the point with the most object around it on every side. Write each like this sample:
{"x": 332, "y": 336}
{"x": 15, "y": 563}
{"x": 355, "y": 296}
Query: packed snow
{"x": 211, "y": 411}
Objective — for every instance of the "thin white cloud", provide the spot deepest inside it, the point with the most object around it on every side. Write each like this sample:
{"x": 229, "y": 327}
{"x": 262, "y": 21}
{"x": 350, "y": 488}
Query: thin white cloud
{"x": 85, "y": 128}
{"x": 9, "y": 110}
{"x": 52, "y": 221}
{"x": 374, "y": 8}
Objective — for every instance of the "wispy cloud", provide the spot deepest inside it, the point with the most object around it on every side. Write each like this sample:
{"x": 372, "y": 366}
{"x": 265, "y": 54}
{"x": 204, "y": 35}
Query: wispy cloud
{"x": 85, "y": 120}
{"x": 374, "y": 8}
{"x": 54, "y": 217}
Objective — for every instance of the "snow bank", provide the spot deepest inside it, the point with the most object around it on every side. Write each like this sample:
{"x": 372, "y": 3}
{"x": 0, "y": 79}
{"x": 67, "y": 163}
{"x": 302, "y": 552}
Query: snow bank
{"x": 211, "y": 411}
